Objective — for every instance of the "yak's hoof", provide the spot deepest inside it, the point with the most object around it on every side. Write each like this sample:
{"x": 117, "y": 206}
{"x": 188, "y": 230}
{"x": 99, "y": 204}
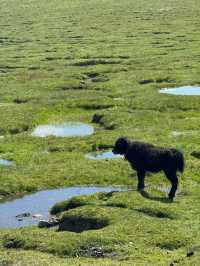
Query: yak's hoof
{"x": 171, "y": 197}
{"x": 140, "y": 189}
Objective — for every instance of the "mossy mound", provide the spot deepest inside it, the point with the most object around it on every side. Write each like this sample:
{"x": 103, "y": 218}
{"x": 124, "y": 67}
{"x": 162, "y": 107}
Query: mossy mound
{"x": 67, "y": 205}
{"x": 99, "y": 198}
{"x": 84, "y": 218}
{"x": 75, "y": 202}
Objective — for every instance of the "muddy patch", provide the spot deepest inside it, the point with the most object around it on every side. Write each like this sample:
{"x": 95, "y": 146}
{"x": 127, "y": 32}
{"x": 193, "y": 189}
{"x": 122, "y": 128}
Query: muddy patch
{"x": 82, "y": 85}
{"x": 95, "y": 77}
{"x": 70, "y": 129}
{"x": 97, "y": 252}
{"x": 20, "y": 100}
{"x": 157, "y": 80}
{"x": 145, "y": 81}
{"x": 163, "y": 80}
{"x": 33, "y": 68}
{"x": 99, "y": 119}
{"x": 7, "y": 69}
{"x": 95, "y": 106}
{"x": 95, "y": 61}
{"x": 6, "y": 41}
{"x": 160, "y": 32}
{"x": 173, "y": 245}
{"x": 55, "y": 149}
{"x": 184, "y": 90}
{"x": 14, "y": 131}
{"x": 117, "y": 205}
{"x": 49, "y": 58}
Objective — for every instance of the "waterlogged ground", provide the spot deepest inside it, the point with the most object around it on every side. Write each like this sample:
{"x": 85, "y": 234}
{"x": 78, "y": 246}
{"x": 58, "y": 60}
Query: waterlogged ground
{"x": 101, "y": 63}
{"x": 30, "y": 209}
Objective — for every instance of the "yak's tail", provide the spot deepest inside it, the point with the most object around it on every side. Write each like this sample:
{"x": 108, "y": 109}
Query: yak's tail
{"x": 180, "y": 162}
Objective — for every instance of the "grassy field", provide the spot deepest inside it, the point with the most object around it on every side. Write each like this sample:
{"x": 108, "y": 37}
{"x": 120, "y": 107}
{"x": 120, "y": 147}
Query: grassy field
{"x": 75, "y": 60}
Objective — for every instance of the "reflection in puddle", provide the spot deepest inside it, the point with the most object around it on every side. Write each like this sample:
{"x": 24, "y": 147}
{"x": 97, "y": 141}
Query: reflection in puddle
{"x": 103, "y": 155}
{"x": 185, "y": 90}
{"x": 29, "y": 209}
{"x": 71, "y": 129}
{"x": 5, "y": 162}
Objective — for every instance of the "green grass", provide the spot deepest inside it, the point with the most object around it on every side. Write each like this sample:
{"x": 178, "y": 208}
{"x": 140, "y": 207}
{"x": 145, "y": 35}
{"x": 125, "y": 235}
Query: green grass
{"x": 71, "y": 60}
{"x": 137, "y": 230}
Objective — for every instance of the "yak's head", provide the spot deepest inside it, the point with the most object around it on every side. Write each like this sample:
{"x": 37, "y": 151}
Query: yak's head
{"x": 121, "y": 146}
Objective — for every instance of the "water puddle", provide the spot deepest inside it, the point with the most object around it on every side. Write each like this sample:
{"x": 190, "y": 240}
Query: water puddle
{"x": 70, "y": 129}
{"x": 185, "y": 90}
{"x": 184, "y": 133}
{"x": 5, "y": 162}
{"x": 27, "y": 211}
{"x": 103, "y": 155}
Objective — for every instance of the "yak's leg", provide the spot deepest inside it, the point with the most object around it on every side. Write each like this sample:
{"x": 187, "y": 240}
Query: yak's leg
{"x": 174, "y": 181}
{"x": 141, "y": 177}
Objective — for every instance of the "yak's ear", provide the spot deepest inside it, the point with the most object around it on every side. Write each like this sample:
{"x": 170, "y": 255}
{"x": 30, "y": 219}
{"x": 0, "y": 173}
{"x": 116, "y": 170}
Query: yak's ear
{"x": 125, "y": 140}
{"x": 123, "y": 143}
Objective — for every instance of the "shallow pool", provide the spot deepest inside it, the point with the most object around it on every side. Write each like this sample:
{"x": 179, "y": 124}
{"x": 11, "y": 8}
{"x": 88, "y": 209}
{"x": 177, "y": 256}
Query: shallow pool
{"x": 184, "y": 90}
{"x": 103, "y": 155}
{"x": 5, "y": 162}
{"x": 70, "y": 129}
{"x": 36, "y": 206}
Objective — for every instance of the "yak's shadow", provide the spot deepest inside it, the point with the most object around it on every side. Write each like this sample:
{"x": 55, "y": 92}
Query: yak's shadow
{"x": 150, "y": 197}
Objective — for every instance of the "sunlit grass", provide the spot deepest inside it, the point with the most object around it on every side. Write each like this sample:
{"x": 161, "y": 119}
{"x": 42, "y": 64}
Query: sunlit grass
{"x": 70, "y": 60}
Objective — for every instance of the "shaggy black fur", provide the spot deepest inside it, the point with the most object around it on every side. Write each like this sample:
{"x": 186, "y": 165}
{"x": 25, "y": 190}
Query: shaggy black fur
{"x": 144, "y": 157}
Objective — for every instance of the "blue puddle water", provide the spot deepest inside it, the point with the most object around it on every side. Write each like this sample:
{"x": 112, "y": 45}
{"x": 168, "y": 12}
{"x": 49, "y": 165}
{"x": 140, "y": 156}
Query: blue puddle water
{"x": 103, "y": 155}
{"x": 185, "y": 90}
{"x": 5, "y": 162}
{"x": 37, "y": 205}
{"x": 70, "y": 129}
